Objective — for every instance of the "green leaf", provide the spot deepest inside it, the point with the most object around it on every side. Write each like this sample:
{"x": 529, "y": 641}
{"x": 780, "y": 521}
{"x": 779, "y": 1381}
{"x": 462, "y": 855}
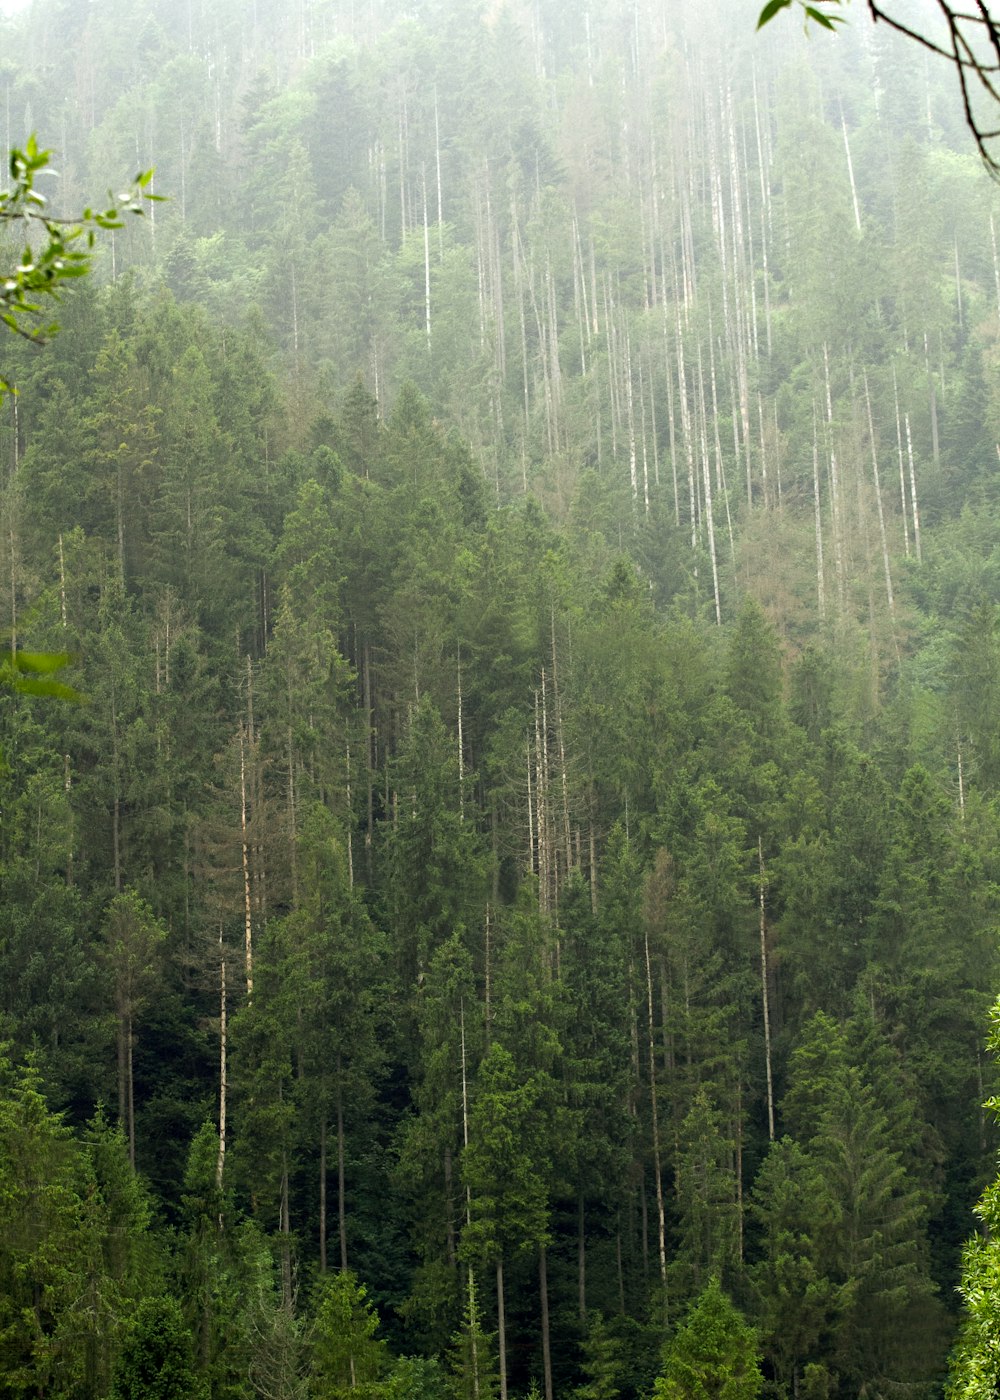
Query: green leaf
{"x": 827, "y": 21}
{"x": 30, "y": 685}
{"x": 769, "y": 11}
{"x": 42, "y": 662}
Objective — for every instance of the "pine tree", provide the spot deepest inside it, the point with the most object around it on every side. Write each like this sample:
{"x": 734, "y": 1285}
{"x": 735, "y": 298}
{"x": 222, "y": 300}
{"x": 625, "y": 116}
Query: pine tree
{"x": 712, "y": 1356}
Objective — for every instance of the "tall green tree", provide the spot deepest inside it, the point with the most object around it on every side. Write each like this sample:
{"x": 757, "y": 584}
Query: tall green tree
{"x": 713, "y": 1354}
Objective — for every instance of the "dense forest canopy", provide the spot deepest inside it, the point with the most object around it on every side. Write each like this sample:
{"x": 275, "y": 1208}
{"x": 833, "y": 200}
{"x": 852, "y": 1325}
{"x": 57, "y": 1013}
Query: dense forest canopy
{"x": 514, "y": 911}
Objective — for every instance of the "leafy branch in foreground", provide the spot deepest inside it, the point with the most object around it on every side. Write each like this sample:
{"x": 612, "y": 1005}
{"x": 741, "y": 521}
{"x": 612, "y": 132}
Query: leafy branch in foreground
{"x": 969, "y": 40}
{"x": 33, "y": 673}
{"x": 62, "y": 247}
{"x": 819, "y": 16}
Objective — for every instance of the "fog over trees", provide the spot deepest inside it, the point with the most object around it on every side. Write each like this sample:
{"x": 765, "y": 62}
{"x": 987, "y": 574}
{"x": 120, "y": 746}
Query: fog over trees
{"x": 500, "y": 898}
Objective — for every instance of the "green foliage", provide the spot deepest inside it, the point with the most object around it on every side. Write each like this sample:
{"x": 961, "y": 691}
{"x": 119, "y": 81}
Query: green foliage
{"x": 825, "y": 18}
{"x": 347, "y": 1357}
{"x": 421, "y": 700}
{"x": 975, "y": 1362}
{"x": 713, "y": 1355}
{"x": 64, "y": 250}
{"x": 156, "y": 1360}
{"x": 508, "y": 1211}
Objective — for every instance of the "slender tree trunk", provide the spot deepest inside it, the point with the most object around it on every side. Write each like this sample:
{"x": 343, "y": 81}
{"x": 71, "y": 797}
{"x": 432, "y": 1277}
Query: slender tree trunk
{"x": 913, "y": 490}
{"x": 220, "y": 1160}
{"x": 285, "y": 1231}
{"x": 62, "y": 585}
{"x": 765, "y": 997}
{"x": 835, "y": 511}
{"x": 501, "y": 1331}
{"x": 850, "y": 174}
{"x": 427, "y": 266}
{"x": 449, "y": 1209}
{"x": 474, "y": 1333}
{"x": 437, "y": 164}
{"x": 561, "y": 745}
{"x": 293, "y": 843}
{"x": 902, "y": 468}
{"x": 116, "y": 804}
{"x": 961, "y": 783}
{"x": 350, "y": 826}
{"x": 707, "y": 483}
{"x": 322, "y": 1190}
{"x": 487, "y": 999}
{"x": 657, "y": 1169}
{"x": 935, "y": 436}
{"x": 878, "y": 503}
{"x": 245, "y": 851}
{"x": 543, "y": 1289}
{"x": 341, "y": 1204}
{"x": 532, "y": 863}
{"x": 630, "y": 415}
{"x": 621, "y": 1272}
{"x": 366, "y": 682}
{"x": 820, "y": 580}
{"x": 130, "y": 1046}
{"x": 123, "y": 1070}
{"x": 581, "y": 1259}
{"x": 461, "y": 756}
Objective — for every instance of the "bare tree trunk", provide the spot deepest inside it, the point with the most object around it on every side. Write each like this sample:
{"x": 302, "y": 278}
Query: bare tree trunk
{"x": 531, "y": 809}
{"x": 902, "y": 468}
{"x": 122, "y": 1047}
{"x": 631, "y": 422}
{"x": 427, "y": 266}
{"x": 913, "y": 490}
{"x": 461, "y": 757}
{"x": 657, "y": 1171}
{"x": 621, "y": 1272}
{"x": 835, "y": 514}
{"x": 820, "y": 580}
{"x": 350, "y": 826}
{"x": 765, "y": 996}
{"x": 220, "y": 1160}
{"x": 561, "y": 745}
{"x": 961, "y": 783}
{"x": 706, "y": 476}
{"x": 437, "y": 163}
{"x": 293, "y": 842}
{"x": 322, "y": 1191}
{"x": 850, "y": 174}
{"x": 934, "y": 433}
{"x": 449, "y": 1213}
{"x": 245, "y": 850}
{"x": 474, "y": 1333}
{"x": 116, "y": 804}
{"x": 878, "y": 504}
{"x": 366, "y": 682}
{"x": 341, "y": 1204}
{"x": 130, "y": 1046}
{"x": 541, "y": 811}
{"x": 285, "y": 1231}
{"x": 501, "y": 1331}
{"x": 581, "y": 1260}
{"x": 543, "y": 1289}
{"x": 62, "y": 586}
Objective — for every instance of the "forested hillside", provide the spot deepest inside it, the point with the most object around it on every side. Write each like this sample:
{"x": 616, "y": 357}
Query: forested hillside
{"x": 515, "y": 906}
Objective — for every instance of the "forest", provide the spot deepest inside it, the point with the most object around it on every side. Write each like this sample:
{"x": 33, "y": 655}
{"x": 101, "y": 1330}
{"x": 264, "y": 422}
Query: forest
{"x": 501, "y": 899}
